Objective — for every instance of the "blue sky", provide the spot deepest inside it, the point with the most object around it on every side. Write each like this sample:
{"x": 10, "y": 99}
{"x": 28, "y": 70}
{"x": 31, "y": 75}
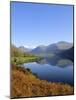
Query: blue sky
{"x": 40, "y": 24}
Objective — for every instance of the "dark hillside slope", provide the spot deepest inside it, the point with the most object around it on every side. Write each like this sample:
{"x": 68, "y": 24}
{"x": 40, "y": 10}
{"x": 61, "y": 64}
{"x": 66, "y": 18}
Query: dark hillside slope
{"x": 69, "y": 54}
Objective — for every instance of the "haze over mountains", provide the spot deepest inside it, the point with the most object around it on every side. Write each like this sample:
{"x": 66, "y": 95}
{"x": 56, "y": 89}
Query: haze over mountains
{"x": 52, "y": 48}
{"x": 61, "y": 49}
{"x": 24, "y": 49}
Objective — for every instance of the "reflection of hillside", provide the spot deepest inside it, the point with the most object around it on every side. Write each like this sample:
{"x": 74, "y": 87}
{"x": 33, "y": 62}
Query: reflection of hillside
{"x": 53, "y": 61}
{"x": 56, "y": 61}
{"x": 61, "y": 59}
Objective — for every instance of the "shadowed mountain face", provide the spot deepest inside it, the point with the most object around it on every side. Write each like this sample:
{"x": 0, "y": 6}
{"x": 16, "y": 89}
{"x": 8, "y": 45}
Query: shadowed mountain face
{"x": 69, "y": 54}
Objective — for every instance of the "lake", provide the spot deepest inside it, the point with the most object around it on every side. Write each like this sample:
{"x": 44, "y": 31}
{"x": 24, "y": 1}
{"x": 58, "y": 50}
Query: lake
{"x": 52, "y": 73}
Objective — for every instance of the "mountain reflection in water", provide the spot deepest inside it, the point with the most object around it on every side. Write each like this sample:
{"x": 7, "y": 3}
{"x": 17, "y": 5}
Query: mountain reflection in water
{"x": 53, "y": 70}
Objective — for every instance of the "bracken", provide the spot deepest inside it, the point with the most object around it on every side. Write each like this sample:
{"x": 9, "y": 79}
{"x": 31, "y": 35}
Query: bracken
{"x": 25, "y": 84}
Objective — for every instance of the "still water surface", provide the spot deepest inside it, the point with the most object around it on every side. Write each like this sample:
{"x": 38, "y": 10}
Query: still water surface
{"x": 53, "y": 73}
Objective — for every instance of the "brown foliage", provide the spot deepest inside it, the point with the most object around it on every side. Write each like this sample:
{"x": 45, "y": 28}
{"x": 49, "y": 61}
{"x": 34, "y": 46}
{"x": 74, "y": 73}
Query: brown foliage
{"x": 25, "y": 84}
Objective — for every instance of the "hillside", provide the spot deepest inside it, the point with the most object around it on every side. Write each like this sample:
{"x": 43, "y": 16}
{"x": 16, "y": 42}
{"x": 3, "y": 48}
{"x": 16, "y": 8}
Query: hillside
{"x": 68, "y": 54}
{"x": 43, "y": 50}
{"x": 16, "y": 52}
{"x": 20, "y": 57}
{"x": 24, "y": 49}
{"x": 52, "y": 48}
{"x": 25, "y": 84}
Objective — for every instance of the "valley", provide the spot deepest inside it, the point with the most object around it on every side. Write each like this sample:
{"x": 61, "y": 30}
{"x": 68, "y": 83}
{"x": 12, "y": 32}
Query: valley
{"x": 41, "y": 67}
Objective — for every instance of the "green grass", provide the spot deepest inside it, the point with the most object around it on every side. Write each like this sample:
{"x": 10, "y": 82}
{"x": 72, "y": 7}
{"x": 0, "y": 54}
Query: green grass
{"x": 21, "y": 60}
{"x": 18, "y": 57}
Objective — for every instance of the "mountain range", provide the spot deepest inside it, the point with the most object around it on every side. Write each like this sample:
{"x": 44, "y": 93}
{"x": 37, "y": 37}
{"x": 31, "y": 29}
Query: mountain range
{"x": 59, "y": 50}
{"x": 52, "y": 48}
{"x": 24, "y": 49}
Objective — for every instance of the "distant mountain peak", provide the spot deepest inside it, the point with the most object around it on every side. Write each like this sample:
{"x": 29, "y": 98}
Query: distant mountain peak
{"x": 41, "y": 46}
{"x": 24, "y": 49}
{"x": 61, "y": 42}
{"x": 64, "y": 45}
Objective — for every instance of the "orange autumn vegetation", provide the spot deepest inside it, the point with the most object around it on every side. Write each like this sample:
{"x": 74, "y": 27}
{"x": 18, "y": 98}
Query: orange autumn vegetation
{"x": 25, "y": 84}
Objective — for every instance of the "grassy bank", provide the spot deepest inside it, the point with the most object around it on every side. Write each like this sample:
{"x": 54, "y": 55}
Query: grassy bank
{"x": 21, "y": 60}
{"x": 25, "y": 84}
{"x": 19, "y": 57}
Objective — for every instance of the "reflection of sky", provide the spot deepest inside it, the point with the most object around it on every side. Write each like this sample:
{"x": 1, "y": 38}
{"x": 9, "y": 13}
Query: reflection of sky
{"x": 39, "y": 24}
{"x": 52, "y": 73}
